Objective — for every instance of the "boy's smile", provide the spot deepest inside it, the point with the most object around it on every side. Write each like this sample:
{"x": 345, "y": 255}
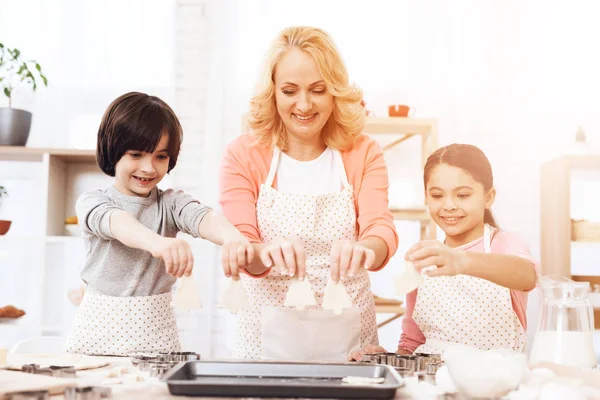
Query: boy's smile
{"x": 138, "y": 172}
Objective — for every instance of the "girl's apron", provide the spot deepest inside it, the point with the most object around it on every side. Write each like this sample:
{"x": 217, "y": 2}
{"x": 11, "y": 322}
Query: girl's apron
{"x": 467, "y": 310}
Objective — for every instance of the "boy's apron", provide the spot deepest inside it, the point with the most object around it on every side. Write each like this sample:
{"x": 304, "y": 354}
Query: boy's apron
{"x": 110, "y": 325}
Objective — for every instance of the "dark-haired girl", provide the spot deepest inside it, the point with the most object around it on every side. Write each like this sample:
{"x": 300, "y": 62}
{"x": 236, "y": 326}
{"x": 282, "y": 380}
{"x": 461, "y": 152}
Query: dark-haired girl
{"x": 477, "y": 294}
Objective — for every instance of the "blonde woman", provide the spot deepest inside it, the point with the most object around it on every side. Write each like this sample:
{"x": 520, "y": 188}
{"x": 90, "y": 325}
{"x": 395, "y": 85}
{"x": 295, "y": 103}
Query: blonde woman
{"x": 310, "y": 191}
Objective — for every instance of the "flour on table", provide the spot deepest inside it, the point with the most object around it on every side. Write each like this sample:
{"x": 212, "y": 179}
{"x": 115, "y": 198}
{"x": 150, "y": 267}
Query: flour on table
{"x": 336, "y": 297}
{"x": 234, "y": 298}
{"x": 300, "y": 295}
{"x": 186, "y": 296}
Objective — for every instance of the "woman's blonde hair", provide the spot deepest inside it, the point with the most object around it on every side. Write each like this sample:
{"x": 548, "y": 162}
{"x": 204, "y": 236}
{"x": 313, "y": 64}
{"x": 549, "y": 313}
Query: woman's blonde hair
{"x": 348, "y": 117}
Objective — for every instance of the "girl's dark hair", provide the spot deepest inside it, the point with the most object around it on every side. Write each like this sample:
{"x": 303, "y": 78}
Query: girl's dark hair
{"x": 136, "y": 121}
{"x": 469, "y": 158}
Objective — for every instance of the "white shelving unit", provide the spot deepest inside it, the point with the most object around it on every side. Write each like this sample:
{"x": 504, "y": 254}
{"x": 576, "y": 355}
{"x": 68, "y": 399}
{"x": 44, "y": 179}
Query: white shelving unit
{"x": 393, "y": 132}
{"x": 402, "y": 129}
{"x": 39, "y": 263}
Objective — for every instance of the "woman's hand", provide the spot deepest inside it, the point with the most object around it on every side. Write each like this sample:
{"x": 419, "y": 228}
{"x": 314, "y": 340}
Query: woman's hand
{"x": 348, "y": 257}
{"x": 236, "y": 254}
{"x": 176, "y": 253}
{"x": 427, "y": 253}
{"x": 288, "y": 255}
{"x": 356, "y": 355}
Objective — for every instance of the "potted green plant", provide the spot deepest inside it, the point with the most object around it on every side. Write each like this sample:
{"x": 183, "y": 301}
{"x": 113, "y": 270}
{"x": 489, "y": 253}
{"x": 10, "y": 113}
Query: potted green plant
{"x": 4, "y": 225}
{"x": 16, "y": 72}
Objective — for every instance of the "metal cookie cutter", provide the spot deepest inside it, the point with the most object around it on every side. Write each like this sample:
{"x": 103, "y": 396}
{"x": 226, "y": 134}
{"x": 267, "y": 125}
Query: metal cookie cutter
{"x": 372, "y": 358}
{"x": 159, "y": 368}
{"x": 87, "y": 393}
{"x": 178, "y": 356}
{"x": 427, "y": 364}
{"x": 29, "y": 395}
{"x": 53, "y": 370}
{"x": 159, "y": 364}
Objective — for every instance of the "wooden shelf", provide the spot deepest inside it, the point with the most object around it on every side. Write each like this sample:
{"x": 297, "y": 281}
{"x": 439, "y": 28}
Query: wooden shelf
{"x": 388, "y": 306}
{"x": 22, "y": 153}
{"x": 400, "y": 125}
{"x": 410, "y": 214}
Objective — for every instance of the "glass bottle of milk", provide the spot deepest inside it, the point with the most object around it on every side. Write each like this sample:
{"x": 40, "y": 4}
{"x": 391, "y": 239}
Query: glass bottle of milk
{"x": 566, "y": 325}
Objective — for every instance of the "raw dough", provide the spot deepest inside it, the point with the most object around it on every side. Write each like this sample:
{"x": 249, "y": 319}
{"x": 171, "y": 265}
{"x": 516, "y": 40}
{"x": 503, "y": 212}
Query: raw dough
{"x": 116, "y": 371}
{"x": 44, "y": 360}
{"x": 336, "y": 297}
{"x": 362, "y": 380}
{"x": 186, "y": 295}
{"x": 234, "y": 298}
{"x": 300, "y": 295}
{"x": 408, "y": 280}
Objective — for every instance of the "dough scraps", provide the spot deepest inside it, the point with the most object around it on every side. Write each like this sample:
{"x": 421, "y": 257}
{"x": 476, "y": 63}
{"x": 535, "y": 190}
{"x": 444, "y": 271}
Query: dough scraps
{"x": 186, "y": 295}
{"x": 234, "y": 298}
{"x": 362, "y": 380}
{"x": 300, "y": 295}
{"x": 336, "y": 297}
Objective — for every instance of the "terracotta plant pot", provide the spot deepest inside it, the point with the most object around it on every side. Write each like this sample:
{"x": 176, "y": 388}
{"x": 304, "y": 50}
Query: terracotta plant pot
{"x": 4, "y": 226}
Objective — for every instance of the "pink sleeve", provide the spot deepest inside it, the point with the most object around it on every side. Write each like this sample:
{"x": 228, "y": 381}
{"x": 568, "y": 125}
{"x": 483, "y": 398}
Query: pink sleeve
{"x": 239, "y": 193}
{"x": 411, "y": 337}
{"x": 511, "y": 244}
{"x": 374, "y": 216}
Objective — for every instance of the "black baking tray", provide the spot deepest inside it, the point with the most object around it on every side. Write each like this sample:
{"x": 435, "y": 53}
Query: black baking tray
{"x": 280, "y": 379}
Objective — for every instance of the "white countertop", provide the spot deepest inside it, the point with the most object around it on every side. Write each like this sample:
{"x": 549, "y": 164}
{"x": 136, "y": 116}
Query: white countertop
{"x": 125, "y": 387}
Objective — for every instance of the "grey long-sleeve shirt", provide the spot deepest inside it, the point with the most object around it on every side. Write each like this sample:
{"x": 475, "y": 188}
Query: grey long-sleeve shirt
{"x": 115, "y": 269}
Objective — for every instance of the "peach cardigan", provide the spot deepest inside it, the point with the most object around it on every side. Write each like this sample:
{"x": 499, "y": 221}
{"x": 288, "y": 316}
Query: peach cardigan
{"x": 246, "y": 166}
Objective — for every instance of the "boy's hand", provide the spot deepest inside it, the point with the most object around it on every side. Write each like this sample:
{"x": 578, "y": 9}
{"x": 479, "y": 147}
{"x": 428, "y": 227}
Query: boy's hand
{"x": 176, "y": 253}
{"x": 236, "y": 254}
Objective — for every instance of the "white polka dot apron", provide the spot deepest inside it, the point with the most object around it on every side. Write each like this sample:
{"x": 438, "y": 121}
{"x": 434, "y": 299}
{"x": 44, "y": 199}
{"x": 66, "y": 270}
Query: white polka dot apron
{"x": 269, "y": 330}
{"x": 467, "y": 310}
{"x": 110, "y": 325}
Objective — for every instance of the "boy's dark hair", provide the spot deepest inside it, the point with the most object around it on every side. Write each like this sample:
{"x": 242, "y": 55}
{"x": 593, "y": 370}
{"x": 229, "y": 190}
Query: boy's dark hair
{"x": 136, "y": 121}
{"x": 469, "y": 158}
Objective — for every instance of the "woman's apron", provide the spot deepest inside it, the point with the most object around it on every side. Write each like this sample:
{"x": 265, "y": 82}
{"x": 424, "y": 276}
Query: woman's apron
{"x": 268, "y": 330}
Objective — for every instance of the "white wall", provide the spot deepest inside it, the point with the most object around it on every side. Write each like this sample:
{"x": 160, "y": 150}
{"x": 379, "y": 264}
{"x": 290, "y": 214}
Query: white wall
{"x": 515, "y": 77}
{"x": 91, "y": 52}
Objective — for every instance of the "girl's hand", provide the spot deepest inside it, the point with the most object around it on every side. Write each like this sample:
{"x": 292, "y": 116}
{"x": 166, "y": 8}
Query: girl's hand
{"x": 236, "y": 254}
{"x": 427, "y": 253}
{"x": 402, "y": 351}
{"x": 348, "y": 257}
{"x": 177, "y": 255}
{"x": 286, "y": 254}
{"x": 356, "y": 355}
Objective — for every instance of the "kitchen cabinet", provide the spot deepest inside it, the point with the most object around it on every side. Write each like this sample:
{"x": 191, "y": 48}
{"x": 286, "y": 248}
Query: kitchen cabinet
{"x": 570, "y": 220}
{"x": 39, "y": 260}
